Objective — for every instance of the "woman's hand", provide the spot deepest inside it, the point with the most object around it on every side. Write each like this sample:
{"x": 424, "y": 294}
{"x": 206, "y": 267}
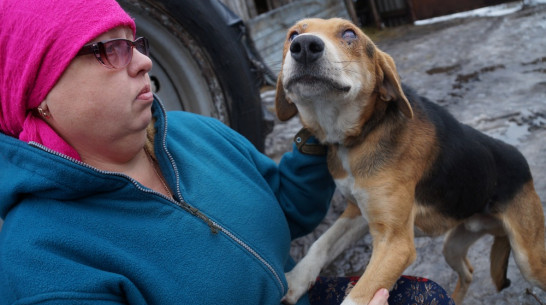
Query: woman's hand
{"x": 380, "y": 297}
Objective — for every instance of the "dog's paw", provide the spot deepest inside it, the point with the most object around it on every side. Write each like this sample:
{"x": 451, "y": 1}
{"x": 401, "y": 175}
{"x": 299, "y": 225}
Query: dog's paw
{"x": 298, "y": 284}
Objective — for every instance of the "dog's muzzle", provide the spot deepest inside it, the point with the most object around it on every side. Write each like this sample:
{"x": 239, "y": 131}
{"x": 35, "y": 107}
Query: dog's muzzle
{"x": 309, "y": 69}
{"x": 307, "y": 49}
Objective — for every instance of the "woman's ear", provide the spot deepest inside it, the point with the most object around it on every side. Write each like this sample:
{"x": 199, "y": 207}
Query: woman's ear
{"x": 43, "y": 110}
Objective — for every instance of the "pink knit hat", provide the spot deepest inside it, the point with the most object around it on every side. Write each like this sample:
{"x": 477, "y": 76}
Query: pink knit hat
{"x": 38, "y": 40}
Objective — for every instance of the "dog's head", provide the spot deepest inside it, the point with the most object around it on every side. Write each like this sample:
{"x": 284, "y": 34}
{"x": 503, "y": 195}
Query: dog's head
{"x": 333, "y": 61}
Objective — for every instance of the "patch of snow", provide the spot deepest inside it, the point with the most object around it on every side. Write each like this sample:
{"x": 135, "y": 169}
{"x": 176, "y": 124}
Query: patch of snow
{"x": 490, "y": 11}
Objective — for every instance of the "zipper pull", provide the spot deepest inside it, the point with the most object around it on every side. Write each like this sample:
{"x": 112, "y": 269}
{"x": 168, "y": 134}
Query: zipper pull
{"x": 213, "y": 227}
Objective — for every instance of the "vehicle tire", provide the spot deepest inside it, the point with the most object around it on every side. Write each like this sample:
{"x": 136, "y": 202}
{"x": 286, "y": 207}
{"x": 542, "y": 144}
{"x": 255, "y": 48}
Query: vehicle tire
{"x": 200, "y": 64}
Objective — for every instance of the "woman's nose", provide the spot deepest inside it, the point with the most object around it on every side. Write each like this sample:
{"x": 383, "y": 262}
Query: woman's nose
{"x": 140, "y": 62}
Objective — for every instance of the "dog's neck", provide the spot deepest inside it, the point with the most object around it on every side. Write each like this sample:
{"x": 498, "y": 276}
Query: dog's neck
{"x": 346, "y": 124}
{"x": 388, "y": 116}
{"x": 330, "y": 120}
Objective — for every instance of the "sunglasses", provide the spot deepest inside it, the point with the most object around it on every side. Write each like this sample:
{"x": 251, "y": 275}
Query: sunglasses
{"x": 116, "y": 53}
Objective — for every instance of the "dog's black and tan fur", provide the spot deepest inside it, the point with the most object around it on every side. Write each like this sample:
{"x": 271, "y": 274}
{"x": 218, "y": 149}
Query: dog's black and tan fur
{"x": 403, "y": 161}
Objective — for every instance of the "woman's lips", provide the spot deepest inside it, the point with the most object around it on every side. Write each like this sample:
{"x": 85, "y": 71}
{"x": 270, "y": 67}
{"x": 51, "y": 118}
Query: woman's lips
{"x": 145, "y": 94}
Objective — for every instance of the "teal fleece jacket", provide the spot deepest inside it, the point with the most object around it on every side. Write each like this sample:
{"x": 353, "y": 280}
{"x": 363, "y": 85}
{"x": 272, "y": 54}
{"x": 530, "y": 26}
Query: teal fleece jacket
{"x": 74, "y": 234}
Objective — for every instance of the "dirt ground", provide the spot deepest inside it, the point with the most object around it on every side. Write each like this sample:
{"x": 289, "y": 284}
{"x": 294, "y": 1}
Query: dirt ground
{"x": 490, "y": 72}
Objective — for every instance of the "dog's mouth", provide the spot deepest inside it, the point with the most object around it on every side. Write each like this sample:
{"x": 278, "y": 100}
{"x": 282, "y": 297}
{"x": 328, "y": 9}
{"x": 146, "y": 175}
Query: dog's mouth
{"x": 314, "y": 81}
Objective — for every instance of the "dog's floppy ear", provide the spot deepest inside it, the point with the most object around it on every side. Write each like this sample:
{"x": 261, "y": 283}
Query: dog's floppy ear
{"x": 390, "y": 89}
{"x": 285, "y": 109}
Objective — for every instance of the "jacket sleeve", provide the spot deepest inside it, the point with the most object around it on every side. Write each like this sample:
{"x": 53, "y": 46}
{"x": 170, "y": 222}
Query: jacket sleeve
{"x": 302, "y": 184}
{"x": 304, "y": 189}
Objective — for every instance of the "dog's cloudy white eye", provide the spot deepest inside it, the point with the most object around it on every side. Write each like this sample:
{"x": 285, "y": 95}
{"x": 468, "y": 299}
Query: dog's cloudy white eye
{"x": 293, "y": 35}
{"x": 349, "y": 35}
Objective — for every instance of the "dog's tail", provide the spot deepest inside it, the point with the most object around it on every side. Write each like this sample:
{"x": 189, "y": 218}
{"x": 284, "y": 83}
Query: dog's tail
{"x": 500, "y": 253}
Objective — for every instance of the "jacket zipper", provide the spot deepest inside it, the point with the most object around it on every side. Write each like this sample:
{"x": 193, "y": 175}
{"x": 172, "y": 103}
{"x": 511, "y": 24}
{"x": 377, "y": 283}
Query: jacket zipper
{"x": 214, "y": 226}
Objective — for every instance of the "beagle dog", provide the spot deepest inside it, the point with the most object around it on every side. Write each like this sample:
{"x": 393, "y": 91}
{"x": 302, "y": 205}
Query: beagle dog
{"x": 402, "y": 162}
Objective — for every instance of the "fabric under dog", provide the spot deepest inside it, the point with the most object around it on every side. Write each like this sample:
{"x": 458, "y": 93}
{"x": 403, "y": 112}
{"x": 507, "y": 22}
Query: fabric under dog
{"x": 407, "y": 290}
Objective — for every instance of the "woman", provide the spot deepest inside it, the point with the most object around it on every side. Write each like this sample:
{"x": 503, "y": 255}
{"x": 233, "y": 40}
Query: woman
{"x": 99, "y": 211}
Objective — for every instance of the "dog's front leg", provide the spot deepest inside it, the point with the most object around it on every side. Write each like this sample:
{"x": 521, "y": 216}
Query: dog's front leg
{"x": 347, "y": 229}
{"x": 391, "y": 226}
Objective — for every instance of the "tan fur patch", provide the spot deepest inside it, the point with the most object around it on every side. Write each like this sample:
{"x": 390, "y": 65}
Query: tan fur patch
{"x": 524, "y": 220}
{"x": 431, "y": 222}
{"x": 351, "y": 211}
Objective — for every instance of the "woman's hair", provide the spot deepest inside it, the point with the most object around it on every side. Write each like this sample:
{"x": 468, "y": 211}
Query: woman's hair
{"x": 38, "y": 40}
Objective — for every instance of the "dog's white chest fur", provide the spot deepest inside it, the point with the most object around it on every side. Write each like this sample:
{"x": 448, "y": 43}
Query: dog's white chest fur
{"x": 334, "y": 117}
{"x": 347, "y": 185}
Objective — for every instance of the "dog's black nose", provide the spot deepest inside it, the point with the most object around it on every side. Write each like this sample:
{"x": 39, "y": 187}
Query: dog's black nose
{"x": 306, "y": 49}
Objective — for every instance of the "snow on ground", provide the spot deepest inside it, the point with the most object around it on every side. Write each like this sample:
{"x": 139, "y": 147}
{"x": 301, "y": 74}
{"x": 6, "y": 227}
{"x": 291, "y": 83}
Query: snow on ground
{"x": 490, "y": 11}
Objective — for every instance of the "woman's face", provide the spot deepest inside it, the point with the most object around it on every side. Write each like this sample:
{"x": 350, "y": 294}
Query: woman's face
{"x": 101, "y": 112}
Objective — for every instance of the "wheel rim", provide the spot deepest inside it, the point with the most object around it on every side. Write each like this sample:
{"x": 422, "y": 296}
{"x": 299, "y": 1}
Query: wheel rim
{"x": 184, "y": 80}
